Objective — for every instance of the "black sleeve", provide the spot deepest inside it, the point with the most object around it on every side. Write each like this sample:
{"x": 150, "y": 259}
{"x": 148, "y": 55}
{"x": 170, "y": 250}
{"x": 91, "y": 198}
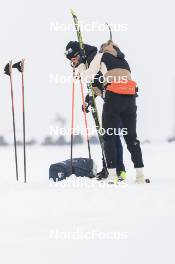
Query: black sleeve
{"x": 120, "y": 54}
{"x": 98, "y": 81}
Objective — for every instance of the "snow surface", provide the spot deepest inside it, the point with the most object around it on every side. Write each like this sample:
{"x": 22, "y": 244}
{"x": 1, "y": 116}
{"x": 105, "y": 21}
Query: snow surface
{"x": 84, "y": 221}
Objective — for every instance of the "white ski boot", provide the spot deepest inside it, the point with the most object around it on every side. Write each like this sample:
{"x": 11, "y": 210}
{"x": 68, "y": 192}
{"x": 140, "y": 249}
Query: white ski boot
{"x": 140, "y": 178}
{"x": 113, "y": 178}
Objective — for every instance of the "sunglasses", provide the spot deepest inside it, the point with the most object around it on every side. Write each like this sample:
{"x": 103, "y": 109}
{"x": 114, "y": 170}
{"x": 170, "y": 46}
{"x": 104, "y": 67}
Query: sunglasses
{"x": 69, "y": 51}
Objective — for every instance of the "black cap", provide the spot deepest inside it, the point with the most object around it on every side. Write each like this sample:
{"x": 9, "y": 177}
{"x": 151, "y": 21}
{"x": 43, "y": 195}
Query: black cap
{"x": 72, "y": 49}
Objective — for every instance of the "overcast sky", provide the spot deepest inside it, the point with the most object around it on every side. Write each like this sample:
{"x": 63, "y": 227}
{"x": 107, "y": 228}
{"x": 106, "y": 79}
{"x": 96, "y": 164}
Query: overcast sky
{"x": 148, "y": 43}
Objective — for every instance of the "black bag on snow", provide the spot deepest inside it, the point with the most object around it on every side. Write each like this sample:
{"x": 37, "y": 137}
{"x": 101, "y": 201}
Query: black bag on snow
{"x": 81, "y": 167}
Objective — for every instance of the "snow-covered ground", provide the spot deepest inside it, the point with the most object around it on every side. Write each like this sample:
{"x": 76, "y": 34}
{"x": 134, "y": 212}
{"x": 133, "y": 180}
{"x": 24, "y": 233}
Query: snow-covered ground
{"x": 84, "y": 221}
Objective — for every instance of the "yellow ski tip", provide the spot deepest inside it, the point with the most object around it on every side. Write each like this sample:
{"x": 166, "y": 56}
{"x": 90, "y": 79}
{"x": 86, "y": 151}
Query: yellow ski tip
{"x": 72, "y": 12}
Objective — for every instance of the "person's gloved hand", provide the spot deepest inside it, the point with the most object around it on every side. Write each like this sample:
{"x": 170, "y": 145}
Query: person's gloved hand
{"x": 88, "y": 103}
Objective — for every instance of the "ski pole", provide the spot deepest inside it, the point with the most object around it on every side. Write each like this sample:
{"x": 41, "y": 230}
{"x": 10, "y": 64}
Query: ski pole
{"x": 8, "y": 71}
{"x": 85, "y": 118}
{"x": 72, "y": 121}
{"x": 110, "y": 30}
{"x": 20, "y": 67}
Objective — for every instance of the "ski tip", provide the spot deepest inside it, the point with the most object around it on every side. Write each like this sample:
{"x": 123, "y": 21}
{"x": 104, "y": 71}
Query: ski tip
{"x": 72, "y": 12}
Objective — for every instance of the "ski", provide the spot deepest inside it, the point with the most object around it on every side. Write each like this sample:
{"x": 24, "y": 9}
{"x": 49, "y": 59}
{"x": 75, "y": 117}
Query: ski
{"x": 20, "y": 67}
{"x": 8, "y": 71}
{"x": 90, "y": 89}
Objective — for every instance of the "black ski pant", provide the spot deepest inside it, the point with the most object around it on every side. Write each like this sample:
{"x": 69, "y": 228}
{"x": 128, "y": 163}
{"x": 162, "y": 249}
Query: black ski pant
{"x": 119, "y": 155}
{"x": 120, "y": 107}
